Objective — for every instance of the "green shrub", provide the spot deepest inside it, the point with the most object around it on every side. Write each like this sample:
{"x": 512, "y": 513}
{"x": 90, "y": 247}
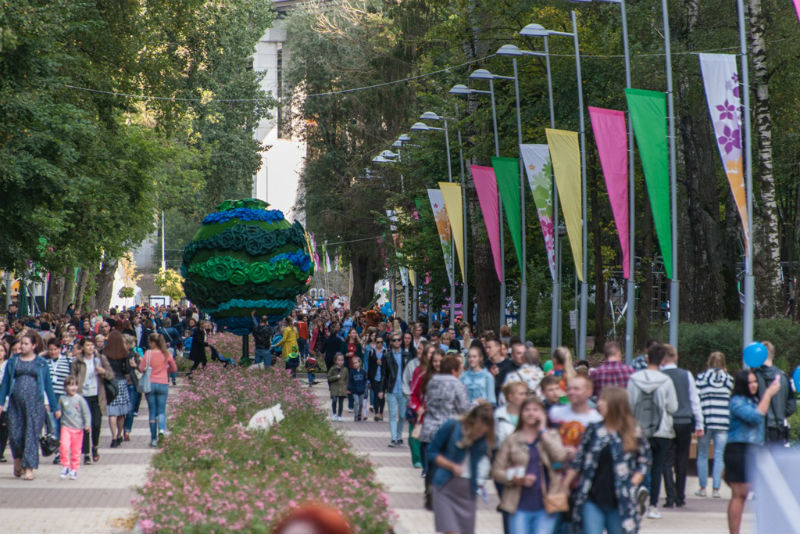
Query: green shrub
{"x": 698, "y": 340}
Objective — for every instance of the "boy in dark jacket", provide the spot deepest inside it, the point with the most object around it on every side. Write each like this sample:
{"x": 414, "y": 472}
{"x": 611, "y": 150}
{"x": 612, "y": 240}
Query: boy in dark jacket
{"x": 357, "y": 386}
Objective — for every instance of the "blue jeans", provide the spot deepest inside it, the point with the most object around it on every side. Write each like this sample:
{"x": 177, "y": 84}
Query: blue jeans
{"x": 263, "y": 356}
{"x": 157, "y": 405}
{"x": 538, "y": 522}
{"x": 720, "y": 437}
{"x": 397, "y": 414}
{"x": 136, "y": 398}
{"x": 596, "y": 519}
{"x": 56, "y": 421}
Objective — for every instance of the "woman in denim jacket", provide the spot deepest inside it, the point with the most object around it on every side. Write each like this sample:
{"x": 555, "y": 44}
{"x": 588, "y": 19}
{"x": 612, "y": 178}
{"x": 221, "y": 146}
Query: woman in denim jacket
{"x": 456, "y": 450}
{"x": 27, "y": 385}
{"x": 746, "y": 430}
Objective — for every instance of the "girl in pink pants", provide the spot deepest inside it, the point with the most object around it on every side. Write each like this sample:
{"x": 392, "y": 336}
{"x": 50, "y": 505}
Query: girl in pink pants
{"x": 75, "y": 419}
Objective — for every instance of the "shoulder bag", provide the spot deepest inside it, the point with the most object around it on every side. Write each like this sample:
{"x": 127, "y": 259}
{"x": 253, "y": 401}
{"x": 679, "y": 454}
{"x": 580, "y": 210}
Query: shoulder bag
{"x": 557, "y": 499}
{"x": 49, "y": 443}
{"x": 144, "y": 381}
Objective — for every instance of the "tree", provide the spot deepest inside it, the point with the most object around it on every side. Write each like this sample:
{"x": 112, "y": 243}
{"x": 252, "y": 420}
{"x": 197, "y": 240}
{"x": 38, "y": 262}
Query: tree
{"x": 170, "y": 282}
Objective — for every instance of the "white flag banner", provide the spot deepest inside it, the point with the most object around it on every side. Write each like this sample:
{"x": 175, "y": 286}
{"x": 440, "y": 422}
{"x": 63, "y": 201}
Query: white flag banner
{"x": 539, "y": 170}
{"x": 721, "y": 82}
{"x": 443, "y": 227}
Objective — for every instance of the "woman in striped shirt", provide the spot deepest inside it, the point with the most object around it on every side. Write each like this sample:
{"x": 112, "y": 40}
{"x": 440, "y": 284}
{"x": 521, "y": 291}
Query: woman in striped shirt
{"x": 714, "y": 386}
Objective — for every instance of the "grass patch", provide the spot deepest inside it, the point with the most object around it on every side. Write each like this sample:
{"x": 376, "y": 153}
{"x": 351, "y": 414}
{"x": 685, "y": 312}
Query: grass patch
{"x": 214, "y": 476}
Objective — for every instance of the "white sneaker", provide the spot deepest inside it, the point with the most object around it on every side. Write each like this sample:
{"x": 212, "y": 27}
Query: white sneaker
{"x": 73, "y": 475}
{"x": 653, "y": 513}
{"x": 715, "y": 494}
{"x": 64, "y": 473}
{"x": 701, "y": 493}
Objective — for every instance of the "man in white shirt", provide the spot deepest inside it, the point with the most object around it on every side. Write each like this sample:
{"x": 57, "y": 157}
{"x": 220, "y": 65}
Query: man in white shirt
{"x": 573, "y": 418}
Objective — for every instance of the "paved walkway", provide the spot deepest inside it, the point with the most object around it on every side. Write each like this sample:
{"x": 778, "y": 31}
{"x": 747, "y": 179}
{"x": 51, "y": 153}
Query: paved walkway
{"x": 99, "y": 501}
{"x": 404, "y": 487}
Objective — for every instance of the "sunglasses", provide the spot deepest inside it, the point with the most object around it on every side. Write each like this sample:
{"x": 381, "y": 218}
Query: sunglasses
{"x": 395, "y": 340}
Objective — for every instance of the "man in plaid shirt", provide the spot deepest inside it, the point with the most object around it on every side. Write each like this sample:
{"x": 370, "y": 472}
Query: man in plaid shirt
{"x": 613, "y": 372}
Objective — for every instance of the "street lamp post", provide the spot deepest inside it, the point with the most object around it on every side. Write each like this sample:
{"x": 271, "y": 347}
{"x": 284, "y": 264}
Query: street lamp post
{"x": 463, "y": 90}
{"x": 514, "y": 52}
{"x": 555, "y": 310}
{"x": 387, "y": 156}
{"x": 422, "y": 127}
{"x": 535, "y": 30}
{"x": 429, "y": 115}
{"x": 631, "y": 282}
{"x": 749, "y": 297}
{"x": 674, "y": 285}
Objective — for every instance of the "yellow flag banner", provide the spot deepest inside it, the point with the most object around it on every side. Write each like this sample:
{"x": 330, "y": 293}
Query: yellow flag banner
{"x": 452, "y": 203}
{"x": 566, "y": 157}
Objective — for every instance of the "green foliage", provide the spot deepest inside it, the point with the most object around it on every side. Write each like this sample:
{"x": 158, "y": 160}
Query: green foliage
{"x": 169, "y": 283}
{"x": 245, "y": 258}
{"x": 86, "y": 170}
{"x": 126, "y": 293}
{"x": 697, "y": 341}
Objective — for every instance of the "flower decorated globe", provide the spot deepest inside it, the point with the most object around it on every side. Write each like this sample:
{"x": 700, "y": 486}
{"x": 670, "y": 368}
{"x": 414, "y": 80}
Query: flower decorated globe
{"x": 246, "y": 257}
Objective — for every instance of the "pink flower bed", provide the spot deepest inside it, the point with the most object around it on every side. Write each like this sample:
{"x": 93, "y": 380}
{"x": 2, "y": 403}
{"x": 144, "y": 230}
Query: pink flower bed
{"x": 215, "y": 476}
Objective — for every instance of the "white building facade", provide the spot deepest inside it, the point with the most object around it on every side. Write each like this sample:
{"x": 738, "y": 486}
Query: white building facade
{"x": 282, "y": 156}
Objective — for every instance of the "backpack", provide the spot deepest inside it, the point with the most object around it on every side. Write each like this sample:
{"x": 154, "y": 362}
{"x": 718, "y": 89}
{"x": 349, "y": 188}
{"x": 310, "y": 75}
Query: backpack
{"x": 648, "y": 413}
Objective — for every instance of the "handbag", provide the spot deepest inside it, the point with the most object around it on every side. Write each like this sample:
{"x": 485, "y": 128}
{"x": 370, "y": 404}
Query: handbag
{"x": 411, "y": 415}
{"x": 112, "y": 390}
{"x": 144, "y": 381}
{"x": 49, "y": 443}
{"x": 556, "y": 500}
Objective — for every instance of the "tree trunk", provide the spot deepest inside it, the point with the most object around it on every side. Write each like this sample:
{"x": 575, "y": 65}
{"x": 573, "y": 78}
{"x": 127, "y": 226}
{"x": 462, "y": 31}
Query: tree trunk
{"x": 83, "y": 281}
{"x": 55, "y": 293}
{"x": 69, "y": 288}
{"x": 364, "y": 262}
{"x": 766, "y": 257}
{"x": 105, "y": 284}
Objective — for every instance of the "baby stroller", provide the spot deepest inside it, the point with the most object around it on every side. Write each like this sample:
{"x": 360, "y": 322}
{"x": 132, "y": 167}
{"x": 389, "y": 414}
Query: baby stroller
{"x": 215, "y": 355}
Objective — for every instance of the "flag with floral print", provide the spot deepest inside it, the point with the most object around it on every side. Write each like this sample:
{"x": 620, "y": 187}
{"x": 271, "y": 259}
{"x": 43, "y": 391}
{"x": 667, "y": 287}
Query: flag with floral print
{"x": 443, "y": 227}
{"x": 721, "y": 81}
{"x": 539, "y": 170}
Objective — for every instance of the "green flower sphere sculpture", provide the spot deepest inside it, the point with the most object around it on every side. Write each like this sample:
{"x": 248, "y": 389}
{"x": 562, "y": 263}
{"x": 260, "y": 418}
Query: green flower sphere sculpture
{"x": 246, "y": 257}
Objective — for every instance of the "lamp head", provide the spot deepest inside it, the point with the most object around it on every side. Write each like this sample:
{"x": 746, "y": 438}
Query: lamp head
{"x": 430, "y": 116}
{"x": 388, "y": 154}
{"x": 403, "y": 138}
{"x": 420, "y": 127}
{"x": 509, "y": 50}
{"x": 534, "y": 30}
{"x": 398, "y": 144}
{"x": 460, "y": 90}
{"x": 481, "y": 74}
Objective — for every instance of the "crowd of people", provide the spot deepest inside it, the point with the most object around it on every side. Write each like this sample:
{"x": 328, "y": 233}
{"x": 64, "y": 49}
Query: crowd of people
{"x": 62, "y": 375}
{"x": 569, "y": 447}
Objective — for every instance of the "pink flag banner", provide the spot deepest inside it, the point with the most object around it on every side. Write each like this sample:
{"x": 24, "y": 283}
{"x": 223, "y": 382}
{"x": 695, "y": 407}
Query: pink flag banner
{"x": 486, "y": 187}
{"x": 611, "y": 137}
{"x": 721, "y": 82}
{"x": 797, "y": 8}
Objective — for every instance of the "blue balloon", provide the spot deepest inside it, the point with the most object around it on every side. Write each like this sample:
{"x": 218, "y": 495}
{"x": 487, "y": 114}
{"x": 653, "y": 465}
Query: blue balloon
{"x": 796, "y": 378}
{"x": 755, "y": 354}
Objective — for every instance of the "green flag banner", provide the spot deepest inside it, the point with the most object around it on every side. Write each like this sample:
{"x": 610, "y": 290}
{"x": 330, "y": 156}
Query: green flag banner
{"x": 648, "y": 111}
{"x": 507, "y": 172}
